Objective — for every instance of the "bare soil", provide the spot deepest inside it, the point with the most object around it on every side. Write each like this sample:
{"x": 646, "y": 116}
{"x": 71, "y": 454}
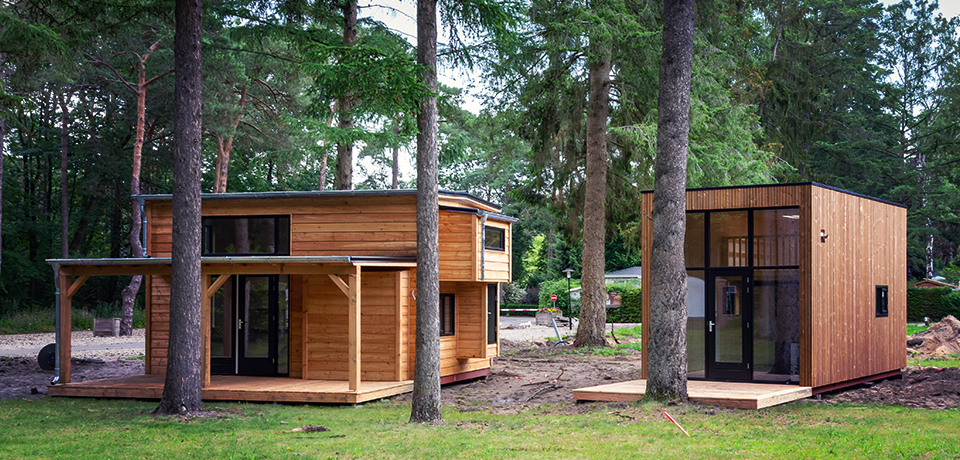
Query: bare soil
{"x": 528, "y": 374}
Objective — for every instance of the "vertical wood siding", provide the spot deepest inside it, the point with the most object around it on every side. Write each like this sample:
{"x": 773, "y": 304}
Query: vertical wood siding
{"x": 841, "y": 338}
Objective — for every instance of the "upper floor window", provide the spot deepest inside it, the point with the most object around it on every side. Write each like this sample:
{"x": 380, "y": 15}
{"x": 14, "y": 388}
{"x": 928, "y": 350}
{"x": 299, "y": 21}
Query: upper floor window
{"x": 494, "y": 238}
{"x": 247, "y": 235}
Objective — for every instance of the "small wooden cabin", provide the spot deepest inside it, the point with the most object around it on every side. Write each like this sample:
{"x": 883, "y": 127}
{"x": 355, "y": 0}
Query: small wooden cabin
{"x": 794, "y": 283}
{"x": 320, "y": 286}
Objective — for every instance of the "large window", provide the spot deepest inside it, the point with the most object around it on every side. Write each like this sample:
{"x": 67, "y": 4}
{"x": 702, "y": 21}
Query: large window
{"x": 259, "y": 235}
{"x": 494, "y": 238}
{"x": 447, "y": 314}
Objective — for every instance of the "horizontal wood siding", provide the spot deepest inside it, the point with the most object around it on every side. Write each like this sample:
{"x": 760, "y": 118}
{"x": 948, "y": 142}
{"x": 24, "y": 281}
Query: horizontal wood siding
{"x": 497, "y": 264}
{"x": 865, "y": 247}
{"x": 471, "y": 335}
{"x": 450, "y": 362}
{"x": 327, "y": 341}
{"x": 458, "y": 246}
{"x": 159, "y": 229}
{"x": 159, "y": 336}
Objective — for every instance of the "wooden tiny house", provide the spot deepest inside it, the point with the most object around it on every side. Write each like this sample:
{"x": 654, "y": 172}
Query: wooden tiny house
{"x": 799, "y": 283}
{"x": 318, "y": 286}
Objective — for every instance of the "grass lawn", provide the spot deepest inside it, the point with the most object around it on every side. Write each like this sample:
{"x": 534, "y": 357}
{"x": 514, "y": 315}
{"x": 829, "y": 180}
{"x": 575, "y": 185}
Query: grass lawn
{"x": 100, "y": 429}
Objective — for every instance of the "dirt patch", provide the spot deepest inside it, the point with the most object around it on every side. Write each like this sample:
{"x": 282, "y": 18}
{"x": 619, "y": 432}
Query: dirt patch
{"x": 534, "y": 373}
{"x": 21, "y": 377}
{"x": 940, "y": 339}
{"x": 926, "y": 388}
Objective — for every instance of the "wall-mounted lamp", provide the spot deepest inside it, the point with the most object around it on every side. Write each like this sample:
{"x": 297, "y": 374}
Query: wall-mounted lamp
{"x": 823, "y": 236}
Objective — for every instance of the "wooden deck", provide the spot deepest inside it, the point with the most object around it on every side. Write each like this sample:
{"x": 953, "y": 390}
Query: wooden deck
{"x": 724, "y": 394}
{"x": 239, "y": 388}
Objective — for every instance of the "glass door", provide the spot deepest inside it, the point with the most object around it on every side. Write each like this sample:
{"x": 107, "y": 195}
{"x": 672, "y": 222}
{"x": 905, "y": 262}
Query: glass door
{"x": 250, "y": 326}
{"x": 729, "y": 314}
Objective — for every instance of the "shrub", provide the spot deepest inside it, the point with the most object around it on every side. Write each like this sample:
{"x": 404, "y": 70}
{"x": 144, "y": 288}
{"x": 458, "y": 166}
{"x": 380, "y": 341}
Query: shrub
{"x": 934, "y": 303}
{"x": 630, "y": 310}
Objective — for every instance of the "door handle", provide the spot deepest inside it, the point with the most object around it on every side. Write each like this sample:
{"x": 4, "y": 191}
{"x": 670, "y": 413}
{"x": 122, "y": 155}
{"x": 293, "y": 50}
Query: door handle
{"x": 711, "y": 325}
{"x": 239, "y": 323}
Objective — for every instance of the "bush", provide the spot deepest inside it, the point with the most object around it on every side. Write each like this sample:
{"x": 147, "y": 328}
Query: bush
{"x": 558, "y": 287}
{"x": 630, "y": 310}
{"x": 513, "y": 293}
{"x": 934, "y": 303}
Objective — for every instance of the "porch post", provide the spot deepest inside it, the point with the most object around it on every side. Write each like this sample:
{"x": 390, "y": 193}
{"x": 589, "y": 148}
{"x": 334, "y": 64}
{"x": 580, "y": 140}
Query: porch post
{"x": 353, "y": 327}
{"x": 205, "y": 305}
{"x": 64, "y": 328}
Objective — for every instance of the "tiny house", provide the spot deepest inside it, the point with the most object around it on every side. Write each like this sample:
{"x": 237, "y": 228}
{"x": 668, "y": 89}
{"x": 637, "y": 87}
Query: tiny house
{"x": 316, "y": 287}
{"x": 793, "y": 283}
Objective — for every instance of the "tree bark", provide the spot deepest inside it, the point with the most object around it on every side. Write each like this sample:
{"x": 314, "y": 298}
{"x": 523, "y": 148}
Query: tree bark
{"x": 667, "y": 353}
{"x": 3, "y": 139}
{"x": 64, "y": 197}
{"x": 593, "y": 313}
{"x": 426, "y": 371}
{"x": 344, "y": 179}
{"x": 181, "y": 387}
{"x": 225, "y": 146}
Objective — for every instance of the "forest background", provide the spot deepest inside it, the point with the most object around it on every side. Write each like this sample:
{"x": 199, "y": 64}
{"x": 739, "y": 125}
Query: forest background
{"x": 849, "y": 93}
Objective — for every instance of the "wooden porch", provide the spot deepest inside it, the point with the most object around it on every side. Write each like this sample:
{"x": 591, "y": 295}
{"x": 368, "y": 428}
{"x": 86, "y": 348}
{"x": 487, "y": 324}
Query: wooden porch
{"x": 736, "y": 395}
{"x": 239, "y": 388}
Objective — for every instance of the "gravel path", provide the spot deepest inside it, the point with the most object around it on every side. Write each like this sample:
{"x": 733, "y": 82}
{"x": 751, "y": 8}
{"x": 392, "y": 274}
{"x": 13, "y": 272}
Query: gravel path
{"x": 84, "y": 345}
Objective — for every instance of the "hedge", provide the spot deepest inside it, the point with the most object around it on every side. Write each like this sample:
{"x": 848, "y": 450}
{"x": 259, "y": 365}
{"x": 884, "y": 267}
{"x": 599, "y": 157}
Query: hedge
{"x": 934, "y": 303}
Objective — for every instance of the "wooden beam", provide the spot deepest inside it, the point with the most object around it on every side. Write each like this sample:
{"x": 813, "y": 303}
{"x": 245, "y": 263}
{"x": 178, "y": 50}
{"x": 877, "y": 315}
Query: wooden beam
{"x": 205, "y": 306}
{"x": 353, "y": 329}
{"x": 76, "y": 285}
{"x": 65, "y": 328}
{"x": 148, "y": 330}
{"x": 340, "y": 284}
{"x": 217, "y": 285}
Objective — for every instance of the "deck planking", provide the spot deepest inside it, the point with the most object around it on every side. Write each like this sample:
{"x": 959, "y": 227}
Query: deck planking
{"x": 724, "y": 394}
{"x": 239, "y": 388}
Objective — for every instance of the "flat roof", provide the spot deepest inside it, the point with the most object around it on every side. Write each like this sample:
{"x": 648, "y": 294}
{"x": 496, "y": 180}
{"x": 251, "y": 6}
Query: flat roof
{"x": 815, "y": 184}
{"x": 318, "y": 193}
{"x": 161, "y": 265}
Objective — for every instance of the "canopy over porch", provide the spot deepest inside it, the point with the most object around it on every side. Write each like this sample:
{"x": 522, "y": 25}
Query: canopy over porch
{"x": 344, "y": 271}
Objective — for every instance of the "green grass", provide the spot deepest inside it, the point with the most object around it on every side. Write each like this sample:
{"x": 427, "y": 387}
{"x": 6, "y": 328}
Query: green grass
{"x": 947, "y": 361}
{"x": 913, "y": 328}
{"x": 99, "y": 429}
{"x": 631, "y": 332}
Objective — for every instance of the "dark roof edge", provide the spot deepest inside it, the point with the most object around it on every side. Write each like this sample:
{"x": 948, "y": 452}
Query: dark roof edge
{"x": 325, "y": 193}
{"x": 816, "y": 184}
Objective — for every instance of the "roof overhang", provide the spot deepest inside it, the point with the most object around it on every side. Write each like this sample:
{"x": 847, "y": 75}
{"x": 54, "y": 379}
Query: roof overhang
{"x": 271, "y": 265}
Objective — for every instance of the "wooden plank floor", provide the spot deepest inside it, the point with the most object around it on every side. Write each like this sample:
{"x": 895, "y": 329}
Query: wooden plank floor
{"x": 238, "y": 388}
{"x": 724, "y": 394}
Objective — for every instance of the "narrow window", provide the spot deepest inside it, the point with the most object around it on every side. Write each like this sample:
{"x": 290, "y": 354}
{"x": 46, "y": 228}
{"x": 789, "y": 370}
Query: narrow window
{"x": 493, "y": 238}
{"x": 882, "y": 311}
{"x": 447, "y": 314}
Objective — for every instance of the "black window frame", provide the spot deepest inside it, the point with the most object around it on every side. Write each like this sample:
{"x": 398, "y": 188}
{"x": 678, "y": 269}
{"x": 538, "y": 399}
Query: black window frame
{"x": 503, "y": 238}
{"x": 883, "y": 301}
{"x": 452, "y": 313}
{"x": 205, "y": 236}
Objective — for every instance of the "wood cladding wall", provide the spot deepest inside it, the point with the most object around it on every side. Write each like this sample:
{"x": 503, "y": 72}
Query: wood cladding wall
{"x": 325, "y": 309}
{"x": 497, "y": 265}
{"x": 458, "y": 246}
{"x": 841, "y": 338}
{"x": 865, "y": 247}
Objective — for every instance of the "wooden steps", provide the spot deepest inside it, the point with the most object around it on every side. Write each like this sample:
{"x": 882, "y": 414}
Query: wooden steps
{"x": 724, "y": 394}
{"x": 239, "y": 388}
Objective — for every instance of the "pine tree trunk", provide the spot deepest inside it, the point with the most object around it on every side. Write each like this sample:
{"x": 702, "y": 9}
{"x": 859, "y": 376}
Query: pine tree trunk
{"x": 593, "y": 313}
{"x": 426, "y": 370}
{"x": 3, "y": 138}
{"x": 344, "y": 179}
{"x": 181, "y": 387}
{"x": 64, "y": 197}
{"x": 667, "y": 347}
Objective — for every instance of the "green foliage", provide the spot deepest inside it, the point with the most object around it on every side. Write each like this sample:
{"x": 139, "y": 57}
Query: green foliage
{"x": 630, "y": 310}
{"x": 513, "y": 293}
{"x": 558, "y": 287}
{"x": 934, "y": 303}
{"x": 913, "y": 329}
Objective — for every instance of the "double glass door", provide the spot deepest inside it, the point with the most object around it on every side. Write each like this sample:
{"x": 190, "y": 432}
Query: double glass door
{"x": 729, "y": 316}
{"x": 250, "y": 326}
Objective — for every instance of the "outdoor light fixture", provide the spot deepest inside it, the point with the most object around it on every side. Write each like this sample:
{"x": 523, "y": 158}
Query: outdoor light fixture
{"x": 569, "y": 272}
{"x": 823, "y": 236}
